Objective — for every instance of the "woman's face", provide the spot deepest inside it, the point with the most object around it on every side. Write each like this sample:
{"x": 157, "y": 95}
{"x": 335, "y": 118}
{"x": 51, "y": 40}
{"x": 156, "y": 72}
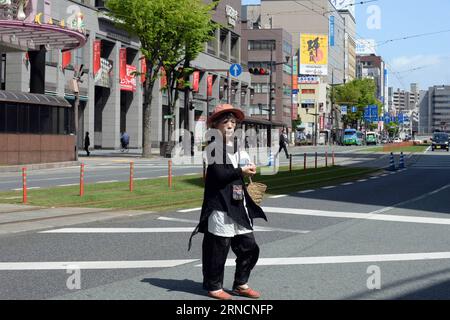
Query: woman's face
{"x": 227, "y": 126}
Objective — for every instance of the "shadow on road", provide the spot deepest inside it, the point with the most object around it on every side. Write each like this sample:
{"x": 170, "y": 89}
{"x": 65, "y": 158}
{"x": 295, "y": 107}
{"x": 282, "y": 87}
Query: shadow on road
{"x": 185, "y": 285}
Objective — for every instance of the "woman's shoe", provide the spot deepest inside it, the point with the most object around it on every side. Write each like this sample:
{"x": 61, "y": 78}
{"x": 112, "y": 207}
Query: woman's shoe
{"x": 220, "y": 295}
{"x": 248, "y": 293}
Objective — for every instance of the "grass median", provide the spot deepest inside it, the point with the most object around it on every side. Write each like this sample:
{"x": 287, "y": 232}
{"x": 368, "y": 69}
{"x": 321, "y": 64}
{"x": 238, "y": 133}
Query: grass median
{"x": 412, "y": 149}
{"x": 186, "y": 192}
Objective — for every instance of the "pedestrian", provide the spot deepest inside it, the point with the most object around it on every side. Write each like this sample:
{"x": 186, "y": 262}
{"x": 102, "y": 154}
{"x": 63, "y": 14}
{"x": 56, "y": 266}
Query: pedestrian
{"x": 228, "y": 211}
{"x": 87, "y": 143}
{"x": 283, "y": 143}
{"x": 125, "y": 140}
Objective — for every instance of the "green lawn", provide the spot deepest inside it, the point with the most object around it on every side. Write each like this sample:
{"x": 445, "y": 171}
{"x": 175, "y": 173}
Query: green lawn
{"x": 187, "y": 191}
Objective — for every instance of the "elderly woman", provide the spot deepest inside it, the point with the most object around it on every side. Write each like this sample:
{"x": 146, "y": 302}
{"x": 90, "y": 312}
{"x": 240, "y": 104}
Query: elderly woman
{"x": 228, "y": 210}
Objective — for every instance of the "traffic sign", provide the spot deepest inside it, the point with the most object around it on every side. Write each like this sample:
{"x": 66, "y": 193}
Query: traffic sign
{"x": 236, "y": 70}
{"x": 354, "y": 109}
{"x": 344, "y": 110}
{"x": 170, "y": 116}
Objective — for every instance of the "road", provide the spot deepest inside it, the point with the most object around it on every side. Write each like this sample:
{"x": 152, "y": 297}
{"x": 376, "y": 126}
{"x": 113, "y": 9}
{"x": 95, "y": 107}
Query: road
{"x": 385, "y": 237}
{"x": 113, "y": 169}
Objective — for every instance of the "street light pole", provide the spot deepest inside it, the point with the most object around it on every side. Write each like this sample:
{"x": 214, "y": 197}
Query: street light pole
{"x": 269, "y": 134}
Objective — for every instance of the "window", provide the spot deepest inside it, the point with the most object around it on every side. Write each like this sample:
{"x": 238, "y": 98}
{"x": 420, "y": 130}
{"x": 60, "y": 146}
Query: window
{"x": 11, "y": 118}
{"x": 23, "y": 122}
{"x": 2, "y": 118}
{"x": 45, "y": 120}
{"x": 34, "y": 119}
{"x": 256, "y": 45}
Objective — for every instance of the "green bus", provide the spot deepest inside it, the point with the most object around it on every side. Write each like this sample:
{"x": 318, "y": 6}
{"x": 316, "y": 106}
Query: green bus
{"x": 353, "y": 137}
{"x": 371, "y": 138}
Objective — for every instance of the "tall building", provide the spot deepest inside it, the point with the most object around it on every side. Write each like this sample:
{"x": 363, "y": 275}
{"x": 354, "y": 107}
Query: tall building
{"x": 434, "y": 109}
{"x": 405, "y": 101}
{"x": 323, "y": 34}
{"x": 260, "y": 47}
{"x": 373, "y": 67}
{"x": 111, "y": 100}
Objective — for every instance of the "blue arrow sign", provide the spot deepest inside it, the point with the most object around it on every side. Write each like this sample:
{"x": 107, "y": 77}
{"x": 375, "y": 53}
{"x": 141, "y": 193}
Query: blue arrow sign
{"x": 236, "y": 70}
{"x": 354, "y": 109}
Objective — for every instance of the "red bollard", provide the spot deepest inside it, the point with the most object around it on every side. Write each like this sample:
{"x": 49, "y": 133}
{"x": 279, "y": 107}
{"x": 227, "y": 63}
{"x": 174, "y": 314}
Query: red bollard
{"x": 131, "y": 175}
{"x": 204, "y": 170}
{"x": 315, "y": 166}
{"x": 290, "y": 163}
{"x": 304, "y": 163}
{"x": 24, "y": 185}
{"x": 82, "y": 180}
{"x": 326, "y": 159}
{"x": 170, "y": 173}
{"x": 333, "y": 159}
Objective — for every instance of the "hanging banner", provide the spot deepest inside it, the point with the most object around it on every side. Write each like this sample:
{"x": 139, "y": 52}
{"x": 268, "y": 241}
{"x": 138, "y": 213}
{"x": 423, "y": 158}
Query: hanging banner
{"x": 66, "y": 59}
{"x": 210, "y": 86}
{"x": 97, "y": 59}
{"x": 196, "y": 81}
{"x": 331, "y": 31}
{"x": 128, "y": 82}
{"x": 295, "y": 74}
{"x": 143, "y": 69}
{"x": 163, "y": 78}
{"x": 122, "y": 63}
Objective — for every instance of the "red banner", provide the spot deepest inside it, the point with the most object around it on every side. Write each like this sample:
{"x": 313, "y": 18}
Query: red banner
{"x": 128, "y": 82}
{"x": 123, "y": 63}
{"x": 143, "y": 69}
{"x": 322, "y": 123}
{"x": 97, "y": 56}
{"x": 294, "y": 111}
{"x": 196, "y": 81}
{"x": 210, "y": 86}
{"x": 163, "y": 78}
{"x": 66, "y": 59}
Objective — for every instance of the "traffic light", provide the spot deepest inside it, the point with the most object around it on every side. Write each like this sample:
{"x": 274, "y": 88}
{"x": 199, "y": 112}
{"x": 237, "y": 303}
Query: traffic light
{"x": 259, "y": 71}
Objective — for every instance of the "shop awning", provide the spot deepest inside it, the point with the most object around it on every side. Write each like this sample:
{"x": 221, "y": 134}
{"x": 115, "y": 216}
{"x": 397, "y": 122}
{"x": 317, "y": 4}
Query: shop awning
{"x": 17, "y": 35}
{"x": 33, "y": 98}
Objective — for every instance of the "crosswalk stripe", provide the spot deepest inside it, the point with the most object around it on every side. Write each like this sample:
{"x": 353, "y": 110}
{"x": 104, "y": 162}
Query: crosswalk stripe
{"x": 90, "y": 265}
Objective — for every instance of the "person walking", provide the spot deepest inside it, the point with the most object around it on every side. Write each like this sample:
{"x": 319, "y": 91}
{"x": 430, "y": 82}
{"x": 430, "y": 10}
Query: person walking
{"x": 87, "y": 143}
{"x": 228, "y": 211}
{"x": 283, "y": 143}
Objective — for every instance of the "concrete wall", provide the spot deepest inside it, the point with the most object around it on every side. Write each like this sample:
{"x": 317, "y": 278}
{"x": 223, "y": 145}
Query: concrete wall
{"x": 27, "y": 148}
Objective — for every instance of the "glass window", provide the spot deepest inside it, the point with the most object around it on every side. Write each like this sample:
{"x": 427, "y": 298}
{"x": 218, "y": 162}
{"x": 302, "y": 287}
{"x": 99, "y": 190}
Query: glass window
{"x": 11, "y": 118}
{"x": 255, "y": 45}
{"x": 23, "y": 122}
{"x": 2, "y": 117}
{"x": 34, "y": 119}
{"x": 45, "y": 120}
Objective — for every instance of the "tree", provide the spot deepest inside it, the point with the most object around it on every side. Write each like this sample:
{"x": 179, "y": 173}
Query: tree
{"x": 359, "y": 93}
{"x": 194, "y": 28}
{"x": 158, "y": 25}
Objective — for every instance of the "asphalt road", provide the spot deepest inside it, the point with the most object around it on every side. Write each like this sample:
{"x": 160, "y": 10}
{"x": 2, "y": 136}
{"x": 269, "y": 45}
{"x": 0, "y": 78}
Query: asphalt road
{"x": 379, "y": 238}
{"x": 103, "y": 169}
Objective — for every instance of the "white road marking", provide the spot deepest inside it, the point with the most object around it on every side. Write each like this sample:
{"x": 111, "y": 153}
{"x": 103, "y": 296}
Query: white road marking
{"x": 140, "y": 178}
{"x": 189, "y": 210}
{"x": 120, "y": 230}
{"x": 190, "y": 174}
{"x": 362, "y": 180}
{"x": 347, "y": 259}
{"x": 329, "y": 187}
{"x": 256, "y": 228}
{"x": 278, "y": 196}
{"x": 68, "y": 185}
{"x": 306, "y": 191}
{"x": 89, "y": 265}
{"x": 347, "y": 184}
{"x": 111, "y": 181}
{"x": 362, "y": 216}
{"x": 28, "y": 188}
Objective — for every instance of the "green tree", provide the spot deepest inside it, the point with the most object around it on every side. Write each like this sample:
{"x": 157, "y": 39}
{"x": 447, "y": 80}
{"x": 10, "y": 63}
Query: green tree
{"x": 194, "y": 28}
{"x": 158, "y": 24}
{"x": 359, "y": 93}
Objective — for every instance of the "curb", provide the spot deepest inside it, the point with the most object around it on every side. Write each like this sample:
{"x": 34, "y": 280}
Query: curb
{"x": 39, "y": 166}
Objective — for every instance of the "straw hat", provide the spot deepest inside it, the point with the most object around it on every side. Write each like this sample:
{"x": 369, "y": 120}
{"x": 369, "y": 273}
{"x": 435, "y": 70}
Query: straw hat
{"x": 225, "y": 108}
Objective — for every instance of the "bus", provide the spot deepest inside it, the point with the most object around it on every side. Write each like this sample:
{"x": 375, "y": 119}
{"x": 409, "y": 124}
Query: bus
{"x": 372, "y": 138}
{"x": 353, "y": 137}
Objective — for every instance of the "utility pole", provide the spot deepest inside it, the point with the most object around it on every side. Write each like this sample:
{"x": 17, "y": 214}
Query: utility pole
{"x": 269, "y": 134}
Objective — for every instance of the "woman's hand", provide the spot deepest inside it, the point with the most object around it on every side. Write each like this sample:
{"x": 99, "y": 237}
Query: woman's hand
{"x": 249, "y": 170}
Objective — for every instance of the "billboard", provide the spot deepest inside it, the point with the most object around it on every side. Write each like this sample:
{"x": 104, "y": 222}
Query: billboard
{"x": 314, "y": 54}
{"x": 345, "y": 5}
{"x": 365, "y": 47}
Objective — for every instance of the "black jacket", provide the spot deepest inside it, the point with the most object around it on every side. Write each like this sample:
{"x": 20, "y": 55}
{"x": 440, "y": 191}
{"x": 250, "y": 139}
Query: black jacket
{"x": 218, "y": 196}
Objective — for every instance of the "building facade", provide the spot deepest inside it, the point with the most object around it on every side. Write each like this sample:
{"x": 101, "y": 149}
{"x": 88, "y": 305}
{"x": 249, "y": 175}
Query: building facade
{"x": 373, "y": 67}
{"x": 434, "y": 110}
{"x": 111, "y": 100}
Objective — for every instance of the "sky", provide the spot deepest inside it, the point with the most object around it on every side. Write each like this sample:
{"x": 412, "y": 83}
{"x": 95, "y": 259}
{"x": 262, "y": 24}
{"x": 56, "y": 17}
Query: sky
{"x": 428, "y": 55}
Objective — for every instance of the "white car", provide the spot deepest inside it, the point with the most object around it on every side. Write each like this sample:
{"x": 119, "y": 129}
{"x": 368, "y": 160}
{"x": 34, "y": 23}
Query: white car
{"x": 398, "y": 140}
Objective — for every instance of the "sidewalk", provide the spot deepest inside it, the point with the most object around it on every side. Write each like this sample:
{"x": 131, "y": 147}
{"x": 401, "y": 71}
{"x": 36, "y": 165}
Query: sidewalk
{"x": 21, "y": 218}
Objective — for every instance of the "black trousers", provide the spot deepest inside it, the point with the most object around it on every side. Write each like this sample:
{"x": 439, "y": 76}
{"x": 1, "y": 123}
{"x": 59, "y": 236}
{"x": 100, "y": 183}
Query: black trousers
{"x": 283, "y": 147}
{"x": 215, "y": 251}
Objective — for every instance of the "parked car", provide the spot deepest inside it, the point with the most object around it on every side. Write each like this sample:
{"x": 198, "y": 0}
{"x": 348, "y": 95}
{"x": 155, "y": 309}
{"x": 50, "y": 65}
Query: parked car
{"x": 398, "y": 140}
